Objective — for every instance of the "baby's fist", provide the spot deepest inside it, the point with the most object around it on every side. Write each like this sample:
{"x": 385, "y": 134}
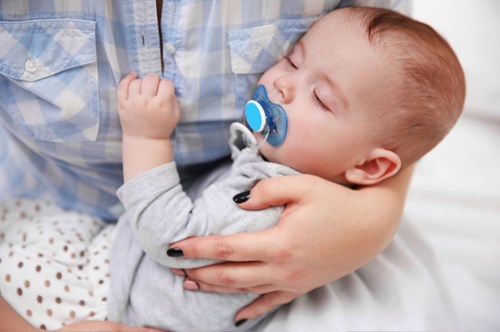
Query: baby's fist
{"x": 147, "y": 107}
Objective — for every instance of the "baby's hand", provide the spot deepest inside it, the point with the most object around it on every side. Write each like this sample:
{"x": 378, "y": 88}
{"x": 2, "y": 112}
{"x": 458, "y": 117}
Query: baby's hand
{"x": 147, "y": 107}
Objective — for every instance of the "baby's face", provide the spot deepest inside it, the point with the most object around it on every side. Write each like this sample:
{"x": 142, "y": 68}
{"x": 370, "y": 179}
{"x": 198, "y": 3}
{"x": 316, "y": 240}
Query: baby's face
{"x": 330, "y": 86}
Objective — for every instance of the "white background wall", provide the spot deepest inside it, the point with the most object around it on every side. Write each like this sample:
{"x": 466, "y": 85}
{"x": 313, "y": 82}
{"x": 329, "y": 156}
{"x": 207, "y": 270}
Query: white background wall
{"x": 473, "y": 30}
{"x": 455, "y": 195}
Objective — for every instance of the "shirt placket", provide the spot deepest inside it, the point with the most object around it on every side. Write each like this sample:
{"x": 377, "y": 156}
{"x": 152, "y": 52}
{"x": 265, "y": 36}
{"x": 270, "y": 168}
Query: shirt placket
{"x": 147, "y": 37}
{"x": 170, "y": 38}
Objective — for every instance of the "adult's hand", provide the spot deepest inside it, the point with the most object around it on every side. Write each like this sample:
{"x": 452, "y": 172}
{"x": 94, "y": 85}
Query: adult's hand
{"x": 325, "y": 232}
{"x": 101, "y": 325}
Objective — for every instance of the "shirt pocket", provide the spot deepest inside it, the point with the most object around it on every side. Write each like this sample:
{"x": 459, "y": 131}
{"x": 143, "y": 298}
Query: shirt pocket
{"x": 256, "y": 49}
{"x": 48, "y": 78}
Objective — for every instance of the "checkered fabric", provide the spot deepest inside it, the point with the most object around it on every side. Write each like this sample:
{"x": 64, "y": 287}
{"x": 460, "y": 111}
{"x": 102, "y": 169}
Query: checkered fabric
{"x": 60, "y": 63}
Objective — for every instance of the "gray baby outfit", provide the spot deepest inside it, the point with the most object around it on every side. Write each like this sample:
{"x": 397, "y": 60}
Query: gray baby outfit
{"x": 158, "y": 213}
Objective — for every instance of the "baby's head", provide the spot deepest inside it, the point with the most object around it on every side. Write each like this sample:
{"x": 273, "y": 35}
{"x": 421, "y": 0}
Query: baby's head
{"x": 367, "y": 92}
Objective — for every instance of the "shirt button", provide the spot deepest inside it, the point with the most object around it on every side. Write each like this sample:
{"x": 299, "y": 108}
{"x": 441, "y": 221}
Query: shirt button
{"x": 170, "y": 48}
{"x": 30, "y": 65}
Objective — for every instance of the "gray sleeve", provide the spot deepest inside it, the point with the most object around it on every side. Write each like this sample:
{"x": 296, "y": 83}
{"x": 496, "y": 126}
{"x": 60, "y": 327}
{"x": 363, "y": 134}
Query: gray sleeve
{"x": 161, "y": 213}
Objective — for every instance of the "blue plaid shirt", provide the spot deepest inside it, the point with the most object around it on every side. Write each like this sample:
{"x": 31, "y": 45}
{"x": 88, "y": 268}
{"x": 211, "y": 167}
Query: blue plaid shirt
{"x": 60, "y": 63}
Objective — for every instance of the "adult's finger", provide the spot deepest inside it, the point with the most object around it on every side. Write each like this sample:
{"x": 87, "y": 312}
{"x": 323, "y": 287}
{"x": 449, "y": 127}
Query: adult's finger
{"x": 149, "y": 85}
{"x": 123, "y": 86}
{"x": 264, "y": 304}
{"x": 233, "y": 275}
{"x": 240, "y": 247}
{"x": 278, "y": 191}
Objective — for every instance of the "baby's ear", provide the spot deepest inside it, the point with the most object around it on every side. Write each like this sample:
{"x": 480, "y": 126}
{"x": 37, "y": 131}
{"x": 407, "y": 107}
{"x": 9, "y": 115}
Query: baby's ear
{"x": 379, "y": 165}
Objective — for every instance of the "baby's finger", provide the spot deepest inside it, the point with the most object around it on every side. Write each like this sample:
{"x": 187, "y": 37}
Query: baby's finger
{"x": 149, "y": 85}
{"x": 166, "y": 89}
{"x": 134, "y": 88}
{"x": 123, "y": 86}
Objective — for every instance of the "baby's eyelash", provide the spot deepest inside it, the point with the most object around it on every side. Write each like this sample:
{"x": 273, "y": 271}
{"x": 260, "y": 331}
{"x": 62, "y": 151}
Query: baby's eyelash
{"x": 319, "y": 102}
{"x": 291, "y": 62}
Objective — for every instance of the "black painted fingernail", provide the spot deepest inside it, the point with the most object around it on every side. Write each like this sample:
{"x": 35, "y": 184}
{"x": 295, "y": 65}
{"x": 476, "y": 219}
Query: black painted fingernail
{"x": 175, "y": 252}
{"x": 240, "y": 322}
{"x": 242, "y": 197}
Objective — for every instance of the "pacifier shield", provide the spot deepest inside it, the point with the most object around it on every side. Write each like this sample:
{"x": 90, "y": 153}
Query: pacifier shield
{"x": 261, "y": 113}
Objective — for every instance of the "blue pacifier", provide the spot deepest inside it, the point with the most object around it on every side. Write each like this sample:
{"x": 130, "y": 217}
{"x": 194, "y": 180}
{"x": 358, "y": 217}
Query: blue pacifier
{"x": 263, "y": 117}
{"x": 266, "y": 118}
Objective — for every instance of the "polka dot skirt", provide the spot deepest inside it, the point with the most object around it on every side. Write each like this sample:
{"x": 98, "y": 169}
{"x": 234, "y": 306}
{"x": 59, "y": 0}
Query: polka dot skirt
{"x": 54, "y": 267}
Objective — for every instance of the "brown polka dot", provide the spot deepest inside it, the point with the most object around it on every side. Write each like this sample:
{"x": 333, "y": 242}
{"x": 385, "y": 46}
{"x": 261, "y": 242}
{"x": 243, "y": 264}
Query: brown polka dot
{"x": 27, "y": 283}
{"x": 72, "y": 314}
{"x": 101, "y": 282}
{"x": 19, "y": 291}
{"x": 49, "y": 312}
{"x": 58, "y": 300}
{"x": 96, "y": 268}
{"x": 80, "y": 267}
{"x": 47, "y": 283}
{"x": 104, "y": 299}
{"x": 38, "y": 268}
{"x": 82, "y": 253}
{"x": 43, "y": 327}
{"x": 82, "y": 303}
{"x": 91, "y": 293}
{"x": 73, "y": 255}
{"x": 59, "y": 275}
{"x": 65, "y": 248}
{"x": 25, "y": 236}
{"x": 91, "y": 314}
{"x": 51, "y": 241}
{"x": 7, "y": 278}
{"x": 40, "y": 255}
{"x": 28, "y": 313}
{"x": 39, "y": 299}
{"x": 20, "y": 264}
{"x": 66, "y": 288}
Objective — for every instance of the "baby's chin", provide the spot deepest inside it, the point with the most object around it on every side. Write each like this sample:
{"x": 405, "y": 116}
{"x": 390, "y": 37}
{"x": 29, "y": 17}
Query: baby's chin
{"x": 266, "y": 153}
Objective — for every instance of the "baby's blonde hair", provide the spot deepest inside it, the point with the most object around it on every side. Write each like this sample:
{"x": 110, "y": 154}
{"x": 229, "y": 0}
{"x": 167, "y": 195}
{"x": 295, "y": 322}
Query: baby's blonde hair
{"x": 426, "y": 91}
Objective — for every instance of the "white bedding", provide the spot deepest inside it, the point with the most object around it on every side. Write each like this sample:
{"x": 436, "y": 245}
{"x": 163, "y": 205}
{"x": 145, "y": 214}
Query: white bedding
{"x": 455, "y": 195}
{"x": 454, "y": 202}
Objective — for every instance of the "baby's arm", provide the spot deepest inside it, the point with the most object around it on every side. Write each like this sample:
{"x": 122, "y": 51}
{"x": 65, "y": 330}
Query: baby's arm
{"x": 160, "y": 213}
{"x": 149, "y": 113}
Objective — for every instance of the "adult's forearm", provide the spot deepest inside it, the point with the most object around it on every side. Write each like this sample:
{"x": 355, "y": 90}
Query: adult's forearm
{"x": 384, "y": 204}
{"x": 11, "y": 321}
